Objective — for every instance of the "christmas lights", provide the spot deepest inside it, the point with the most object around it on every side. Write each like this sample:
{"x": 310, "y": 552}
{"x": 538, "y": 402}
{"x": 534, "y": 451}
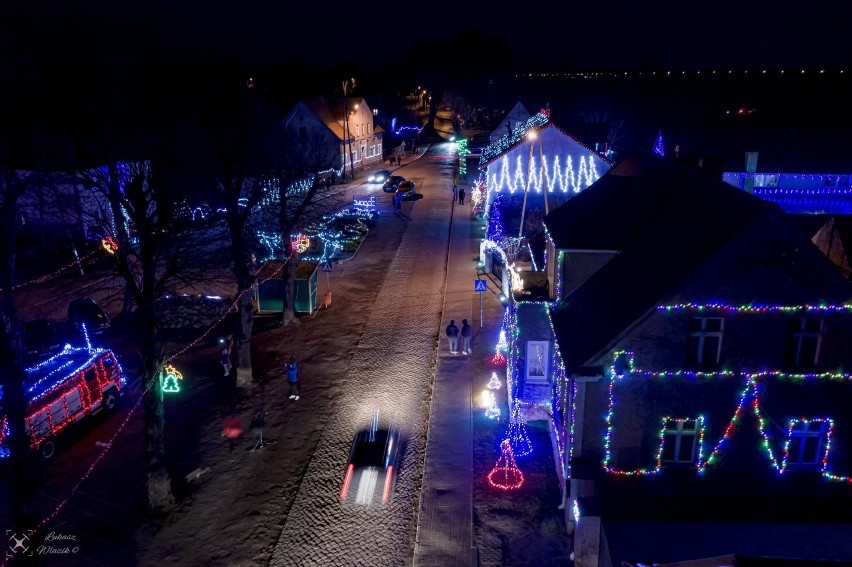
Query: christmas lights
{"x": 516, "y": 434}
{"x": 494, "y": 383}
{"x": 492, "y": 411}
{"x": 54, "y": 274}
{"x": 659, "y": 149}
{"x": 756, "y": 308}
{"x": 109, "y": 244}
{"x": 170, "y": 379}
{"x": 517, "y": 135}
{"x": 506, "y": 475}
{"x": 567, "y": 179}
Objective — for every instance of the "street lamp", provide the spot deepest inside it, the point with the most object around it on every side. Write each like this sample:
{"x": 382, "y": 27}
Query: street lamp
{"x": 347, "y": 134}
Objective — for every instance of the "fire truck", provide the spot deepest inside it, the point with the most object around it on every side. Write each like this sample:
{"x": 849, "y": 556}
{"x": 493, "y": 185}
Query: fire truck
{"x": 63, "y": 390}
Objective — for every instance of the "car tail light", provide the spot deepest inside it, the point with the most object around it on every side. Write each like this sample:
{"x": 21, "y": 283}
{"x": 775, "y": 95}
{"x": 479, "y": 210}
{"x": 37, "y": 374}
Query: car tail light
{"x": 386, "y": 491}
{"x": 346, "y": 480}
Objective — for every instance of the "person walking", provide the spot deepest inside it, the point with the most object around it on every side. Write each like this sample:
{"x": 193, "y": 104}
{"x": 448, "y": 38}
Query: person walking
{"x": 466, "y": 336}
{"x": 292, "y": 370}
{"x": 225, "y": 355}
{"x": 397, "y": 199}
{"x": 453, "y": 337}
{"x": 258, "y": 420}
{"x": 455, "y": 192}
{"x": 461, "y": 196}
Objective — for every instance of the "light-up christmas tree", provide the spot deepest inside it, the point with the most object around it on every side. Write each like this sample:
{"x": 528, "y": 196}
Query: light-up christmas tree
{"x": 494, "y": 383}
{"x": 659, "y": 149}
{"x": 492, "y": 410}
{"x": 516, "y": 434}
{"x": 506, "y": 475}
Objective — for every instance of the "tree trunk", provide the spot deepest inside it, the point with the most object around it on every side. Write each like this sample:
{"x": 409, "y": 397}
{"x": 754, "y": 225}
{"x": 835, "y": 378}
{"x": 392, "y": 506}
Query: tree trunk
{"x": 289, "y": 276}
{"x": 246, "y": 317}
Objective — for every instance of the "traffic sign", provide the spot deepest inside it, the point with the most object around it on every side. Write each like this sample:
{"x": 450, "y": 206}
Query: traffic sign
{"x": 480, "y": 285}
{"x": 326, "y": 266}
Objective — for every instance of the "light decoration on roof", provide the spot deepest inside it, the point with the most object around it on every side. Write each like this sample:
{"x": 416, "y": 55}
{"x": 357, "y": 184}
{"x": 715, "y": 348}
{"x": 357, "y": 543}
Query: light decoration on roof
{"x": 750, "y": 396}
{"x": 756, "y": 308}
{"x": 567, "y": 179}
{"x": 518, "y": 134}
{"x": 506, "y": 475}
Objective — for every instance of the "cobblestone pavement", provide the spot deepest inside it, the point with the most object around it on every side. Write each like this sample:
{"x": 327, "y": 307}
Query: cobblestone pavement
{"x": 392, "y": 371}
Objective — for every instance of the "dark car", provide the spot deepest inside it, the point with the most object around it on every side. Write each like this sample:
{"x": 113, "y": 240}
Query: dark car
{"x": 85, "y": 311}
{"x": 44, "y": 338}
{"x": 372, "y": 467}
{"x": 406, "y": 188}
{"x": 379, "y": 176}
{"x": 392, "y": 182}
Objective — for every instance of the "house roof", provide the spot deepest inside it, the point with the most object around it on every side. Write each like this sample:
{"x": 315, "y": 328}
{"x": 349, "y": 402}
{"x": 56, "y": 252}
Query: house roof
{"x": 788, "y": 151}
{"x": 665, "y": 220}
{"x": 508, "y": 142}
{"x": 519, "y": 113}
{"x": 330, "y": 112}
{"x": 306, "y": 269}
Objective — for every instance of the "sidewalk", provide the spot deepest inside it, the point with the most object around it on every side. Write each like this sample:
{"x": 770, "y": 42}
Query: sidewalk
{"x": 445, "y": 524}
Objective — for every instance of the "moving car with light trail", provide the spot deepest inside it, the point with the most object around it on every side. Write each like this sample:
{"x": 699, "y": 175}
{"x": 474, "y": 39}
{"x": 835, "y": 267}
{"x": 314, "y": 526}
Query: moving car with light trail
{"x": 372, "y": 466}
{"x": 379, "y": 176}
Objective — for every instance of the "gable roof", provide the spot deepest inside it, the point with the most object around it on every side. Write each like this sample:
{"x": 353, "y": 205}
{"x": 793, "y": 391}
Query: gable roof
{"x": 330, "y": 112}
{"x": 665, "y": 220}
{"x": 519, "y": 113}
{"x": 508, "y": 142}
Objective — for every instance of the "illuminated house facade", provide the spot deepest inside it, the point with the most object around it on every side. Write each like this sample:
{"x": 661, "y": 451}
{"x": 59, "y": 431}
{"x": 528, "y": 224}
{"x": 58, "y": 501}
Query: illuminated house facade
{"x": 346, "y": 125}
{"x": 701, "y": 372}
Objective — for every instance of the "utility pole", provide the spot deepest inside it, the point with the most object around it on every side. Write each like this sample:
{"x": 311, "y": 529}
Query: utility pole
{"x": 348, "y": 85}
{"x": 531, "y": 137}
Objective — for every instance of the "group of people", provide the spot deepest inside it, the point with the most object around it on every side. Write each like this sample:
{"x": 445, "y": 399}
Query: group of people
{"x": 458, "y": 194}
{"x": 453, "y": 334}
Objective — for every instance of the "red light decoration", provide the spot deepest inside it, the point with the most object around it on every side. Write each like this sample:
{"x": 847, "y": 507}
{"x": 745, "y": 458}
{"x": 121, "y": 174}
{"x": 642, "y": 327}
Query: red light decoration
{"x": 50, "y": 276}
{"x": 506, "y": 475}
{"x": 498, "y": 358}
{"x": 109, "y": 244}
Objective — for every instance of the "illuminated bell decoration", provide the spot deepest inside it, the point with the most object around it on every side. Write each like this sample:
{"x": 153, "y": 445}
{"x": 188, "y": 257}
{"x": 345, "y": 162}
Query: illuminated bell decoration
{"x": 506, "y": 475}
{"x": 171, "y": 379}
{"x": 109, "y": 244}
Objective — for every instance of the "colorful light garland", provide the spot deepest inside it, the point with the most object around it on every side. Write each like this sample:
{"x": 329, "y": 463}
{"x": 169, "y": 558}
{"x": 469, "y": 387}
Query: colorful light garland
{"x": 750, "y": 394}
{"x": 756, "y": 308}
{"x": 516, "y": 433}
{"x": 506, "y": 475}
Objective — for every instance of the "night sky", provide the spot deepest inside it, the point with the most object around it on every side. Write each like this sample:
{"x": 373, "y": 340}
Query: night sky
{"x": 618, "y": 33}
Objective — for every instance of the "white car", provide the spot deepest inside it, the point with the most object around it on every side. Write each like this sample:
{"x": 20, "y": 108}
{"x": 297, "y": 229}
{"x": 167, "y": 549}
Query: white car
{"x": 379, "y": 176}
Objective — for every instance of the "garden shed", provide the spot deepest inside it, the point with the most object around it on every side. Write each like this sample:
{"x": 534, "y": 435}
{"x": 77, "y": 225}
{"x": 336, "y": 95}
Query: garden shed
{"x": 269, "y": 294}
{"x": 305, "y": 296}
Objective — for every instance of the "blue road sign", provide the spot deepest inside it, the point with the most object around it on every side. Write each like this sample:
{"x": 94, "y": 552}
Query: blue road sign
{"x": 480, "y": 285}
{"x": 326, "y": 266}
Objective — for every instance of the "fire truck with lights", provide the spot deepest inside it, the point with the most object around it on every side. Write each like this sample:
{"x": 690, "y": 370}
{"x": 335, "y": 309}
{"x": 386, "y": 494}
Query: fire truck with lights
{"x": 63, "y": 390}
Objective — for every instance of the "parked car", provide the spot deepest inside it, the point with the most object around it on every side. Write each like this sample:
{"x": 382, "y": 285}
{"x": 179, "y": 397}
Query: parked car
{"x": 62, "y": 390}
{"x": 392, "y": 182}
{"x": 372, "y": 467}
{"x": 44, "y": 338}
{"x": 84, "y": 311}
{"x": 379, "y": 176}
{"x": 406, "y": 188}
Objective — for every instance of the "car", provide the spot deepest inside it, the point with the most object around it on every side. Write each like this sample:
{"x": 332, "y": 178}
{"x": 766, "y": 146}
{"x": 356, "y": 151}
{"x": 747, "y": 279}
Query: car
{"x": 373, "y": 464}
{"x": 84, "y": 311}
{"x": 44, "y": 338}
{"x": 392, "y": 182}
{"x": 406, "y": 188}
{"x": 379, "y": 176}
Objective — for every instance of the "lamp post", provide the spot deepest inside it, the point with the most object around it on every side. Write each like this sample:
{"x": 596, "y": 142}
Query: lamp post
{"x": 531, "y": 138}
{"x": 348, "y": 85}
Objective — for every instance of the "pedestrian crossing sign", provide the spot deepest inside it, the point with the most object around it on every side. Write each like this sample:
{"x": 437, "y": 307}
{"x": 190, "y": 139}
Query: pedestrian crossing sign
{"x": 326, "y": 266}
{"x": 480, "y": 285}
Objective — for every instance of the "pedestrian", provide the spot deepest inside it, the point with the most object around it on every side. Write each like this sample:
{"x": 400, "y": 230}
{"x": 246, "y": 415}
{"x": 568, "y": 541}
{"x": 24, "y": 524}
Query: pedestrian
{"x": 225, "y": 355}
{"x": 258, "y": 420}
{"x": 466, "y": 336}
{"x": 397, "y": 200}
{"x": 461, "y": 196}
{"x": 292, "y": 370}
{"x": 455, "y": 192}
{"x": 399, "y": 159}
{"x": 453, "y": 337}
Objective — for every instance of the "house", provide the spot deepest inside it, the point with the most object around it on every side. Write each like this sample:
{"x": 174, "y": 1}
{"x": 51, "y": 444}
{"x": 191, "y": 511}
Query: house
{"x": 515, "y": 117}
{"x": 343, "y": 126}
{"x": 698, "y": 371}
{"x": 803, "y": 171}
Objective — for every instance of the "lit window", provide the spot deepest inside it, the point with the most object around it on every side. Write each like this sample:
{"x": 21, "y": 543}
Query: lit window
{"x": 807, "y": 443}
{"x": 705, "y": 341}
{"x": 680, "y": 440}
{"x": 803, "y": 343}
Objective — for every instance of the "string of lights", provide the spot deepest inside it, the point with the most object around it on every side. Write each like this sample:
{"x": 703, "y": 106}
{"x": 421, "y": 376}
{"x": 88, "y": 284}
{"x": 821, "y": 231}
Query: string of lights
{"x": 755, "y": 308}
{"x": 537, "y": 173}
{"x": 56, "y": 273}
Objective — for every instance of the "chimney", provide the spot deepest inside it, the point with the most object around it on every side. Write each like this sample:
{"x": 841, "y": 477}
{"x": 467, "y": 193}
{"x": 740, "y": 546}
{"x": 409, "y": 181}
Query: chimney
{"x": 751, "y": 167}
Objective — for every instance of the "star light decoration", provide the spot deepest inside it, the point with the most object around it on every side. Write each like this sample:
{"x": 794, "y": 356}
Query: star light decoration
{"x": 623, "y": 367}
{"x": 516, "y": 434}
{"x": 506, "y": 475}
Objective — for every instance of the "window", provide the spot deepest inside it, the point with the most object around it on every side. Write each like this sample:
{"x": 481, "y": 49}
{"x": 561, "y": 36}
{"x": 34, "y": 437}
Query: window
{"x": 807, "y": 443}
{"x": 680, "y": 440}
{"x": 804, "y": 342}
{"x": 705, "y": 341}
{"x": 537, "y": 361}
